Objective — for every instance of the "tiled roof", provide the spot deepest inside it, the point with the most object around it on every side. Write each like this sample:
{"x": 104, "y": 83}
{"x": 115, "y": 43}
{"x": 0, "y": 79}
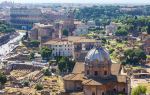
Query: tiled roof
{"x": 57, "y": 42}
{"x": 100, "y": 81}
{"x": 115, "y": 69}
{"x": 74, "y": 77}
{"x": 78, "y": 68}
{"x": 71, "y": 39}
{"x": 78, "y": 75}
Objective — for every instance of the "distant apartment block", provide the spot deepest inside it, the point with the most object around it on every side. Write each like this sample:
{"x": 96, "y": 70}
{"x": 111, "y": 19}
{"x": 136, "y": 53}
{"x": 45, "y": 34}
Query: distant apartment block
{"x": 81, "y": 29}
{"x": 111, "y": 28}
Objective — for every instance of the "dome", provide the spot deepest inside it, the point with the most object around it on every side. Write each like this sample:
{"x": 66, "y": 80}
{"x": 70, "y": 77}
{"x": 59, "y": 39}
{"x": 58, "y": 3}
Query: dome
{"x": 97, "y": 53}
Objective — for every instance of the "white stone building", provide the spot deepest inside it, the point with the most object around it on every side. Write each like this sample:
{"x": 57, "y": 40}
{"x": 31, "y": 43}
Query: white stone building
{"x": 111, "y": 28}
{"x": 60, "y": 47}
{"x": 72, "y": 46}
{"x": 81, "y": 29}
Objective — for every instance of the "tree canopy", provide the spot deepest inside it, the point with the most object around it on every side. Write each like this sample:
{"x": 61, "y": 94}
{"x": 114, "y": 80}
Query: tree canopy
{"x": 34, "y": 43}
{"x": 65, "y": 65}
{"x": 134, "y": 56}
{"x": 39, "y": 86}
{"x": 108, "y": 12}
{"x": 148, "y": 29}
{"x": 45, "y": 53}
{"x": 32, "y": 56}
{"x": 47, "y": 72}
{"x": 121, "y": 32}
{"x": 6, "y": 28}
{"x": 3, "y": 78}
{"x": 65, "y": 32}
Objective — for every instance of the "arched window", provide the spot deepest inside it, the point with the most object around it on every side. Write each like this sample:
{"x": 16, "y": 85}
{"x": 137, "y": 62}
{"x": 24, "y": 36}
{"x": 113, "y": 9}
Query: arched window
{"x": 103, "y": 93}
{"x": 114, "y": 90}
{"x": 93, "y": 93}
{"x": 87, "y": 72}
{"x": 124, "y": 90}
{"x": 105, "y": 72}
{"x": 95, "y": 73}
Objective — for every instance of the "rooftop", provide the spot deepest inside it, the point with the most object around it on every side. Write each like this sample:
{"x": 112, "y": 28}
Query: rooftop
{"x": 71, "y": 39}
{"x": 43, "y": 25}
{"x": 78, "y": 75}
{"x": 57, "y": 42}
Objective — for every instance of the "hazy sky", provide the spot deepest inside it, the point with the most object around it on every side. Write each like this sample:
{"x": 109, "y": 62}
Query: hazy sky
{"x": 82, "y": 1}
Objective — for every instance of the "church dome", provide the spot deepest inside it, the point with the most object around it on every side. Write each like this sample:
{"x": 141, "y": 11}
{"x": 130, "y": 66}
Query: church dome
{"x": 97, "y": 54}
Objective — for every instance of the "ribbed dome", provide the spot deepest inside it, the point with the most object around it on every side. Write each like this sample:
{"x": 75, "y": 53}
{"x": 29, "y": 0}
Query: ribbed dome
{"x": 97, "y": 54}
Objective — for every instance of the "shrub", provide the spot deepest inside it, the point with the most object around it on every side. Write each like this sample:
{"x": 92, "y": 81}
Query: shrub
{"x": 39, "y": 87}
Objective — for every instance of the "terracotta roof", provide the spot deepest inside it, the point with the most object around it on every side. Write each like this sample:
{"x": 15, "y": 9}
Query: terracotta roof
{"x": 80, "y": 39}
{"x": 99, "y": 81}
{"x": 122, "y": 78}
{"x": 57, "y": 42}
{"x": 78, "y": 68}
{"x": 78, "y": 75}
{"x": 115, "y": 69}
{"x": 91, "y": 82}
{"x": 74, "y": 77}
{"x": 71, "y": 39}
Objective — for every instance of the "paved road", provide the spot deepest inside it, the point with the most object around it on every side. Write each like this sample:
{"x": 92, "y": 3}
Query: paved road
{"x": 9, "y": 46}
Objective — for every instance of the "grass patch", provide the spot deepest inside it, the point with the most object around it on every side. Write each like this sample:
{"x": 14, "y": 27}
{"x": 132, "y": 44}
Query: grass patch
{"x": 148, "y": 56}
{"x": 147, "y": 85}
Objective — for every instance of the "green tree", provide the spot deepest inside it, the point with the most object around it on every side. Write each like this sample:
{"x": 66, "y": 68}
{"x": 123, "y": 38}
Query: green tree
{"x": 6, "y": 28}
{"x": 121, "y": 32}
{"x": 135, "y": 56}
{"x": 139, "y": 90}
{"x": 148, "y": 29}
{"x": 39, "y": 86}
{"x": 3, "y": 78}
{"x": 65, "y": 65}
{"x": 104, "y": 41}
{"x": 26, "y": 83}
{"x": 34, "y": 43}
{"x": 143, "y": 29}
{"x": 65, "y": 32}
{"x": 46, "y": 53}
{"x": 32, "y": 56}
{"x": 47, "y": 72}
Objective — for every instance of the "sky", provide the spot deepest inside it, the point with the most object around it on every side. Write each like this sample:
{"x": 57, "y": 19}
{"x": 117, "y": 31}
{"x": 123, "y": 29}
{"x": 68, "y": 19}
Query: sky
{"x": 83, "y": 1}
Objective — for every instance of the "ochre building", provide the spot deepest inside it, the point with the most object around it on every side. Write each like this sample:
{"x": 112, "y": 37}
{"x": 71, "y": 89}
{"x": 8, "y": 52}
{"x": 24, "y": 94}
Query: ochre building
{"x": 96, "y": 76}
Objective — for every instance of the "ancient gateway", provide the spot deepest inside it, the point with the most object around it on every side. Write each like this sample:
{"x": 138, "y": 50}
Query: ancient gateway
{"x": 96, "y": 76}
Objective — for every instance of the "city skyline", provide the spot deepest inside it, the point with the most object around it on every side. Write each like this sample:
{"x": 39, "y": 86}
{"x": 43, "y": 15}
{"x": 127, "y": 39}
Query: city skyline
{"x": 85, "y": 1}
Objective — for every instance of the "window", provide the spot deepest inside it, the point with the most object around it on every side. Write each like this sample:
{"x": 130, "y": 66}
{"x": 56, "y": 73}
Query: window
{"x": 102, "y": 93}
{"x": 105, "y": 72}
{"x": 114, "y": 90}
{"x": 95, "y": 73}
{"x": 124, "y": 90}
{"x": 87, "y": 72}
{"x": 93, "y": 93}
